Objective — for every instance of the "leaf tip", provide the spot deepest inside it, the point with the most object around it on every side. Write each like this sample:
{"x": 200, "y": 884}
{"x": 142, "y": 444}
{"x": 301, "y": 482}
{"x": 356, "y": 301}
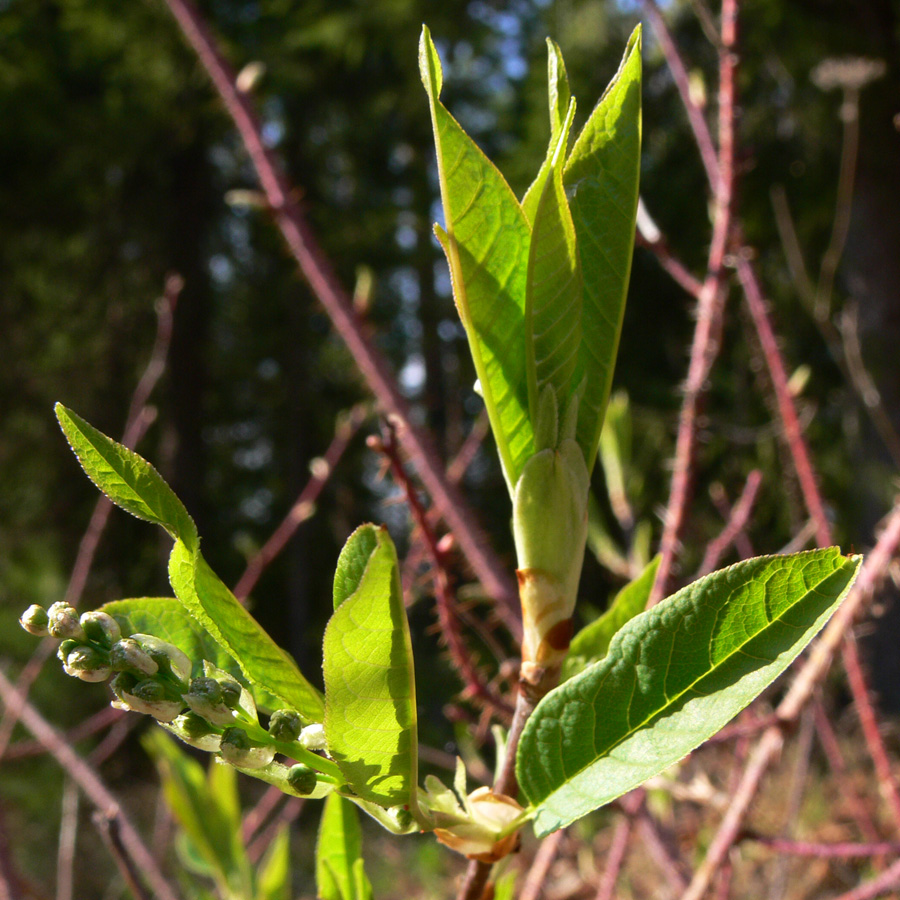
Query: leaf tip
{"x": 430, "y": 65}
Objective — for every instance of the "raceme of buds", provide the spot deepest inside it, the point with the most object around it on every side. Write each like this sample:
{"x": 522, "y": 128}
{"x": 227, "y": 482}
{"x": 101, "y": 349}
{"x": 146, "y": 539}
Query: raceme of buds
{"x": 87, "y": 663}
{"x": 63, "y": 622}
{"x": 101, "y": 628}
{"x": 207, "y": 699}
{"x": 238, "y": 749}
{"x": 285, "y": 725}
{"x": 480, "y": 835}
{"x": 35, "y": 620}
{"x": 302, "y": 779}
{"x": 127, "y": 655}
{"x": 148, "y": 696}
{"x": 196, "y": 731}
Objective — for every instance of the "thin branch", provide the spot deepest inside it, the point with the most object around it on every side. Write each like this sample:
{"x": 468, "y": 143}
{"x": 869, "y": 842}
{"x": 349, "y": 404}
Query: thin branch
{"x": 540, "y": 868}
{"x": 68, "y": 834}
{"x": 614, "y": 859}
{"x": 89, "y": 727}
{"x": 886, "y": 882}
{"x": 91, "y": 785}
{"x": 324, "y": 283}
{"x": 140, "y": 417}
{"x": 110, "y": 828}
{"x": 840, "y": 850}
{"x": 256, "y": 817}
{"x": 304, "y": 506}
{"x": 674, "y": 266}
{"x": 682, "y": 83}
{"x": 737, "y": 522}
{"x": 710, "y": 302}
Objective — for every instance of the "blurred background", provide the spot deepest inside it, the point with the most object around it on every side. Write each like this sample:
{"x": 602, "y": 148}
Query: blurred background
{"x": 118, "y": 167}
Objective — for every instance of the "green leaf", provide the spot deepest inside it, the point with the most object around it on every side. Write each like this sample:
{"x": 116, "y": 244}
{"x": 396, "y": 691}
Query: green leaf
{"x": 601, "y": 181}
{"x": 486, "y": 242}
{"x": 370, "y": 695}
{"x": 207, "y": 810}
{"x": 559, "y": 92}
{"x": 554, "y": 291}
{"x": 352, "y": 562}
{"x": 263, "y": 663}
{"x": 592, "y": 642}
{"x": 339, "y": 864}
{"x": 672, "y": 678}
{"x": 274, "y": 879}
{"x": 126, "y": 478}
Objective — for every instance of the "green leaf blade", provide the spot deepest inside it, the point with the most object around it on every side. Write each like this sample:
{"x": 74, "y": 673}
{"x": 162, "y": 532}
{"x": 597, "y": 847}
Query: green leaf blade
{"x": 591, "y": 644}
{"x": 601, "y": 179}
{"x": 339, "y": 863}
{"x": 370, "y": 697}
{"x": 486, "y": 243}
{"x": 126, "y": 478}
{"x": 263, "y": 663}
{"x": 673, "y": 677}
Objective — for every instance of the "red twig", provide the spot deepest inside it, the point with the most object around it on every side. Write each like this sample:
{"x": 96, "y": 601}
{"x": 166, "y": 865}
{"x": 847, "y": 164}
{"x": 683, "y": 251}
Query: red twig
{"x": 674, "y": 266}
{"x": 90, "y": 726}
{"x": 711, "y": 163}
{"x": 737, "y": 522}
{"x": 324, "y": 283}
{"x": 543, "y": 859}
{"x": 887, "y": 881}
{"x": 710, "y": 301}
{"x": 92, "y": 787}
{"x": 140, "y": 417}
{"x": 840, "y": 850}
{"x": 616, "y": 856}
{"x": 304, "y": 506}
{"x": 109, "y": 827}
{"x": 257, "y": 816}
{"x": 476, "y": 685}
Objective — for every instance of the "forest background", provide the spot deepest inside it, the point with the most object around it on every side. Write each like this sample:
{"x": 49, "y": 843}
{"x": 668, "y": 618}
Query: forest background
{"x": 124, "y": 181}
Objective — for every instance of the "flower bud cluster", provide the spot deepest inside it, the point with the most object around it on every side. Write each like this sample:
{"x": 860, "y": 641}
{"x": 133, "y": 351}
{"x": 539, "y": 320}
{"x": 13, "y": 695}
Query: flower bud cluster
{"x": 212, "y": 712}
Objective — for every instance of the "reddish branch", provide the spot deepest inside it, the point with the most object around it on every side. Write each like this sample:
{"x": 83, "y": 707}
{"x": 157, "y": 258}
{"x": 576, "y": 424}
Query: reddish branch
{"x": 543, "y": 859}
{"x": 841, "y": 850}
{"x": 304, "y": 506}
{"x": 711, "y": 299}
{"x": 91, "y": 785}
{"x": 476, "y": 684}
{"x": 737, "y": 522}
{"x": 323, "y": 282}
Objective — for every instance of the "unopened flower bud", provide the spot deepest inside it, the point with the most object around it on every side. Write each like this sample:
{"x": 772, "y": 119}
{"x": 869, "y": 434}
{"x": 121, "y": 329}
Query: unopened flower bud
{"x": 239, "y": 750}
{"x": 207, "y": 700}
{"x": 100, "y": 627}
{"x": 35, "y": 620}
{"x": 285, "y": 725}
{"x": 196, "y": 731}
{"x": 88, "y": 664}
{"x": 231, "y": 693}
{"x": 481, "y": 836}
{"x": 313, "y": 737}
{"x": 63, "y": 622}
{"x": 65, "y": 648}
{"x": 128, "y": 655}
{"x": 149, "y": 696}
{"x": 123, "y": 684}
{"x": 167, "y": 656}
{"x": 302, "y": 779}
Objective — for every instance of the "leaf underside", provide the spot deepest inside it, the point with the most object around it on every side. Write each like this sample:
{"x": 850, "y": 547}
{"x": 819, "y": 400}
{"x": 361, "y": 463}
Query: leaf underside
{"x": 673, "y": 677}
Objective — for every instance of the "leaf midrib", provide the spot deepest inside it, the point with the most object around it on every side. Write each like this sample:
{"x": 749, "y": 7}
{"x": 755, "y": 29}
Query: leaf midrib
{"x": 633, "y": 730}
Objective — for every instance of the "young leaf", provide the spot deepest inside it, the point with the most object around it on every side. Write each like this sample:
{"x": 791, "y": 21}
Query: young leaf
{"x": 486, "y": 243}
{"x": 126, "y": 478}
{"x": 592, "y": 642}
{"x": 673, "y": 677}
{"x": 262, "y": 661}
{"x": 559, "y": 91}
{"x": 370, "y": 694}
{"x": 553, "y": 291}
{"x": 352, "y": 562}
{"x": 601, "y": 181}
{"x": 339, "y": 863}
{"x": 274, "y": 879}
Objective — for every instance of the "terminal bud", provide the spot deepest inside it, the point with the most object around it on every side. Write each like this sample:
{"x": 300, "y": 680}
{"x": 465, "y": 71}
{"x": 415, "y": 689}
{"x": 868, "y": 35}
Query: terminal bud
{"x": 35, "y": 620}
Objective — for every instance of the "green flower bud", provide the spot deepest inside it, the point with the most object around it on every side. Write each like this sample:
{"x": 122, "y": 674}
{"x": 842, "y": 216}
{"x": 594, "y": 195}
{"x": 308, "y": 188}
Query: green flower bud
{"x": 35, "y": 620}
{"x": 231, "y": 693}
{"x": 128, "y": 655}
{"x": 149, "y": 696}
{"x": 101, "y": 628}
{"x": 313, "y": 737}
{"x": 196, "y": 731}
{"x": 167, "y": 656}
{"x": 123, "y": 684}
{"x": 88, "y": 664}
{"x": 206, "y": 699}
{"x": 65, "y": 648}
{"x": 302, "y": 779}
{"x": 63, "y": 622}
{"x": 239, "y": 750}
{"x": 285, "y": 725}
